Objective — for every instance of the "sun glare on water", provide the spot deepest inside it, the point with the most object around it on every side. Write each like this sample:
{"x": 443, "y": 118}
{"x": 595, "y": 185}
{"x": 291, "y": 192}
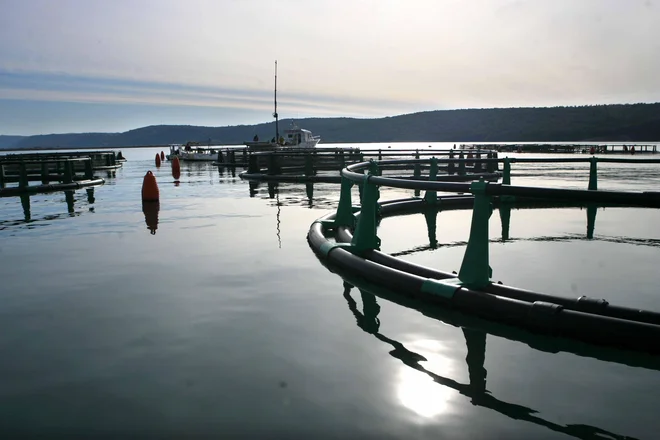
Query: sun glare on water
{"x": 416, "y": 390}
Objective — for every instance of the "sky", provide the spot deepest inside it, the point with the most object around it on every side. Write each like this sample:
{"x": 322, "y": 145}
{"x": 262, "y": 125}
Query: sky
{"x": 115, "y": 65}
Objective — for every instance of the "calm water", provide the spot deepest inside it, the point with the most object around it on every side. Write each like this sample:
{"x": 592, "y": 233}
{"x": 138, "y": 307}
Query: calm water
{"x": 223, "y": 324}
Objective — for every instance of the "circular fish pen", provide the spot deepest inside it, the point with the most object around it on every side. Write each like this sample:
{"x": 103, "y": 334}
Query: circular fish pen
{"x": 347, "y": 241}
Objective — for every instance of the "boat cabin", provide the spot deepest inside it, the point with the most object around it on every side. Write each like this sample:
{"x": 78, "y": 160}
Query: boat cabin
{"x": 297, "y": 136}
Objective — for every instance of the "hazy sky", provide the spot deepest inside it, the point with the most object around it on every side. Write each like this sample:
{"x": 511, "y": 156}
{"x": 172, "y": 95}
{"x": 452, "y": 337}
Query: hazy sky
{"x": 113, "y": 65}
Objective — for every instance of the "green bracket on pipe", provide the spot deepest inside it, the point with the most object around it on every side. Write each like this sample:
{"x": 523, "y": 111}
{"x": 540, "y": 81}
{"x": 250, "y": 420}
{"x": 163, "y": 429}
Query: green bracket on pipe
{"x": 593, "y": 174}
{"x": 345, "y": 215}
{"x": 443, "y": 288}
{"x": 365, "y": 237}
{"x": 431, "y": 197}
{"x": 475, "y": 270}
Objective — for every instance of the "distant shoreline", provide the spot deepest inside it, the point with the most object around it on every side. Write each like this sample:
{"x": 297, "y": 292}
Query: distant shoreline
{"x": 625, "y": 123}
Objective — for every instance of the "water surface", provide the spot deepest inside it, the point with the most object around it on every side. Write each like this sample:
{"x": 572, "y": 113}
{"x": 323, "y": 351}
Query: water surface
{"x": 224, "y": 324}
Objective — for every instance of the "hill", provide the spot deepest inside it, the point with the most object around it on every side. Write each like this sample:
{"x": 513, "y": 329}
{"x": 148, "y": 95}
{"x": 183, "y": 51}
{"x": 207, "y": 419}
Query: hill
{"x": 624, "y": 122}
{"x": 9, "y": 141}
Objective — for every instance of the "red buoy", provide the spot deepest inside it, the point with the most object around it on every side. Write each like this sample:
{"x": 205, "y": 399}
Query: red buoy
{"x": 162, "y": 155}
{"x": 176, "y": 168}
{"x": 150, "y": 188}
{"x": 157, "y": 161}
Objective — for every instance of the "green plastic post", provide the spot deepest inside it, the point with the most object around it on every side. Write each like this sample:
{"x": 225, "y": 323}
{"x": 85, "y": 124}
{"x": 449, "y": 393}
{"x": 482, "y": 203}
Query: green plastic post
{"x": 417, "y": 173}
{"x": 309, "y": 165}
{"x": 475, "y": 271}
{"x": 68, "y": 172}
{"x": 431, "y": 216}
{"x": 44, "y": 172}
{"x": 365, "y": 237}
{"x": 593, "y": 174}
{"x": 89, "y": 169}
{"x": 345, "y": 215}
{"x": 253, "y": 165}
{"x": 431, "y": 197}
{"x": 506, "y": 173}
{"x": 22, "y": 177}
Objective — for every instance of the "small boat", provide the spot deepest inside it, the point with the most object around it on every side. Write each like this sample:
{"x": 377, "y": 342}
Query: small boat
{"x": 191, "y": 151}
{"x": 295, "y": 137}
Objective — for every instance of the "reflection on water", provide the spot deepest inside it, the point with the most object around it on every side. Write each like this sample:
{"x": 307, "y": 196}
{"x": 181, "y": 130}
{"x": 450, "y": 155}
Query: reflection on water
{"x": 319, "y": 196}
{"x": 277, "y": 218}
{"x": 504, "y": 210}
{"x": 415, "y": 394}
{"x": 29, "y": 220}
{"x": 150, "y": 210}
{"x": 25, "y": 201}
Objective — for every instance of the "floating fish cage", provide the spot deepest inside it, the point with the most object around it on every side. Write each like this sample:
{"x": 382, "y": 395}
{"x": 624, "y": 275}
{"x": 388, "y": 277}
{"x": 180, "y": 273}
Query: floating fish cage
{"x": 347, "y": 241}
{"x": 53, "y": 171}
{"x": 303, "y": 166}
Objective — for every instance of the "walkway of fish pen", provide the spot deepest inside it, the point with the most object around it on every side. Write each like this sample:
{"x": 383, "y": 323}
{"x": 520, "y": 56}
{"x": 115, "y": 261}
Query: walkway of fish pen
{"x": 303, "y": 166}
{"x": 630, "y": 148}
{"x": 55, "y": 171}
{"x": 347, "y": 241}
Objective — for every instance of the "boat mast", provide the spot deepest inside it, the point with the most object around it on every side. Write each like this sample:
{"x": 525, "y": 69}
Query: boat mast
{"x": 277, "y": 127}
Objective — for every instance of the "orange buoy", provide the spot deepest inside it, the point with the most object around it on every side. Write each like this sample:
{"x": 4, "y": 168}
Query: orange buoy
{"x": 150, "y": 188}
{"x": 150, "y": 210}
{"x": 157, "y": 161}
{"x": 162, "y": 155}
{"x": 176, "y": 168}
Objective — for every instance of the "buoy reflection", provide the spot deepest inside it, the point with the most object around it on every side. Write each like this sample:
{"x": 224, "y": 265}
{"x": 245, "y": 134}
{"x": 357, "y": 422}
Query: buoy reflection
{"x": 150, "y": 210}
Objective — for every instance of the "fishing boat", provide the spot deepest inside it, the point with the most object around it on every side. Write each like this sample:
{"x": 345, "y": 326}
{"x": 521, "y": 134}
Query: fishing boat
{"x": 295, "y": 137}
{"x": 192, "y": 151}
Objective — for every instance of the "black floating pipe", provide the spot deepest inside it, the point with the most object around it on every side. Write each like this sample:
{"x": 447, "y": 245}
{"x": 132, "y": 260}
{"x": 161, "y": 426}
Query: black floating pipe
{"x": 583, "y": 303}
{"x": 540, "y": 317}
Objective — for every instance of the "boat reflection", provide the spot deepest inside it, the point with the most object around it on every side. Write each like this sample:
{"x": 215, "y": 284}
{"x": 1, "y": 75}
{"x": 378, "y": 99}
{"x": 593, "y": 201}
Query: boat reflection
{"x": 476, "y": 390}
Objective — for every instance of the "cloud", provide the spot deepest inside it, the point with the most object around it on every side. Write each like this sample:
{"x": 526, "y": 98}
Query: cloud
{"x": 67, "y": 88}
